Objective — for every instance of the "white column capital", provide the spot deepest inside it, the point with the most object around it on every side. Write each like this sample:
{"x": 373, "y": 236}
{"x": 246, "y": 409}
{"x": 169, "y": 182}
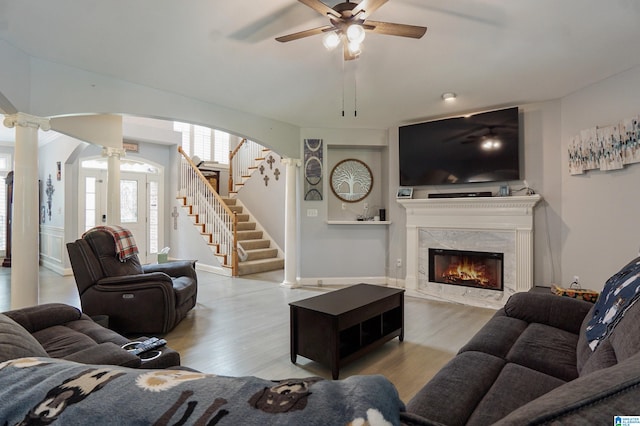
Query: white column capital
{"x": 25, "y": 120}
{"x": 294, "y": 162}
{"x": 108, "y": 151}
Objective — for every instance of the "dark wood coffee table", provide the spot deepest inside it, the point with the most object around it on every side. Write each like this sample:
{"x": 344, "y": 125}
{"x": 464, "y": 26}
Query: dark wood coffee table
{"x": 337, "y": 327}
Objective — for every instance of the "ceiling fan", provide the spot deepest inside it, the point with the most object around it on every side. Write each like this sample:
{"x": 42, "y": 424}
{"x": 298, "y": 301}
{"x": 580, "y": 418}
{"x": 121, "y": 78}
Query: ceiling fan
{"x": 349, "y": 23}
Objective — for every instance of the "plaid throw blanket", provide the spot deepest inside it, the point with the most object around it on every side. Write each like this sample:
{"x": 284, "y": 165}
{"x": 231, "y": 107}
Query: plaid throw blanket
{"x": 125, "y": 244}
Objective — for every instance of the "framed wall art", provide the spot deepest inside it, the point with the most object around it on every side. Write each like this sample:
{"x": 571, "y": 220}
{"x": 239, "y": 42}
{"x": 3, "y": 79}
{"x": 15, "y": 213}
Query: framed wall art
{"x": 351, "y": 180}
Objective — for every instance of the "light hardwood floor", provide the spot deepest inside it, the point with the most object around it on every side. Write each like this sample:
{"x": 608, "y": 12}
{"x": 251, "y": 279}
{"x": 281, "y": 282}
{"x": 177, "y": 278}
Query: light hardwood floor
{"x": 240, "y": 327}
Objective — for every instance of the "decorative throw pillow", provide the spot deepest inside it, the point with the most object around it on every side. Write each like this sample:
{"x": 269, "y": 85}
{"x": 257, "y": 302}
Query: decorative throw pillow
{"x": 16, "y": 342}
{"x": 620, "y": 292}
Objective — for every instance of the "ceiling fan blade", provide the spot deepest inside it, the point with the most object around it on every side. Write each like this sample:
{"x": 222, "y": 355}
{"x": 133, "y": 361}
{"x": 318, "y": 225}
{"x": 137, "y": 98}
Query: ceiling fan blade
{"x": 389, "y": 28}
{"x": 321, "y": 8}
{"x": 306, "y": 33}
{"x": 367, "y": 7}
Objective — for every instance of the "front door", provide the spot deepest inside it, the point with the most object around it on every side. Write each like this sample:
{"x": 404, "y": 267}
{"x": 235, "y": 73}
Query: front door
{"x": 140, "y": 200}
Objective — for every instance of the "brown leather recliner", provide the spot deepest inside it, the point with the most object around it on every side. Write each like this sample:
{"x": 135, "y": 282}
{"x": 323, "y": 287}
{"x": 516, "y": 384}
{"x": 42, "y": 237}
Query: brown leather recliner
{"x": 137, "y": 298}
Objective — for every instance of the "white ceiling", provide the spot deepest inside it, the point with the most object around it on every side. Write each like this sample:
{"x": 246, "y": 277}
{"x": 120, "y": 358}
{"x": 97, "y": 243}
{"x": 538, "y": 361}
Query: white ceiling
{"x": 491, "y": 52}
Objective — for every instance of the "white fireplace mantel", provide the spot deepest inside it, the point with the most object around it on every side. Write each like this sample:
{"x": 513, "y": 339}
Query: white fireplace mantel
{"x": 469, "y": 224}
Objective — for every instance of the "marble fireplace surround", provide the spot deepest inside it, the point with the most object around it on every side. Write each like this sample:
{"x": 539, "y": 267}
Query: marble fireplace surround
{"x": 492, "y": 224}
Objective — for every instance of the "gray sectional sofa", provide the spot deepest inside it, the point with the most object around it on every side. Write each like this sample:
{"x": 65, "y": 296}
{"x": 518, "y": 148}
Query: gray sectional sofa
{"x": 61, "y": 331}
{"x": 542, "y": 359}
{"x": 532, "y": 364}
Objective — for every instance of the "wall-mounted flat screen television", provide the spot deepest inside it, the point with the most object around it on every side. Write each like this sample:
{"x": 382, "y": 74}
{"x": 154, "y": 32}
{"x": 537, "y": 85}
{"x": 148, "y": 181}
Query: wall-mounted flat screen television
{"x": 482, "y": 147}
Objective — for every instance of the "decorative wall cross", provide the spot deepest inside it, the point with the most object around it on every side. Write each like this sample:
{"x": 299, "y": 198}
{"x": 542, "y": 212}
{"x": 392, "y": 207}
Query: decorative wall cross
{"x": 175, "y": 215}
{"x": 261, "y": 169}
{"x": 49, "y": 191}
{"x": 266, "y": 181}
{"x": 276, "y": 173}
{"x": 270, "y": 161}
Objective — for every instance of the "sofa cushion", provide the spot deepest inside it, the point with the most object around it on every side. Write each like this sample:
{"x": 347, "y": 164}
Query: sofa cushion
{"x": 38, "y": 317}
{"x": 497, "y": 336}
{"x": 507, "y": 393}
{"x": 592, "y": 399}
{"x": 60, "y": 341}
{"x": 185, "y": 289}
{"x": 451, "y": 396}
{"x": 545, "y": 308}
{"x": 16, "y": 342}
{"x": 603, "y": 357}
{"x": 546, "y": 349}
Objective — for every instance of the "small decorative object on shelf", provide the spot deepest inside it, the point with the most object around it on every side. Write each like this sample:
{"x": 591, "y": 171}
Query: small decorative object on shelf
{"x": 404, "y": 192}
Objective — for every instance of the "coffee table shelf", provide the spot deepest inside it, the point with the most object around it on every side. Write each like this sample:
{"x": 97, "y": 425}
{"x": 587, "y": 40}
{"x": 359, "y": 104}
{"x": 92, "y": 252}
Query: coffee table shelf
{"x": 338, "y": 327}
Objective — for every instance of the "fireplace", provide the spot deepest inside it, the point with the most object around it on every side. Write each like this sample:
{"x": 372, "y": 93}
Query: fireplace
{"x": 488, "y": 224}
{"x": 476, "y": 269}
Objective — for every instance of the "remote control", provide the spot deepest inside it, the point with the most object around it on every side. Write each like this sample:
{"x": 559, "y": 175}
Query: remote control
{"x": 148, "y": 345}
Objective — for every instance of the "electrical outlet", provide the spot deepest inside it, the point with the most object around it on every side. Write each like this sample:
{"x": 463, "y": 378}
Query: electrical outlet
{"x": 366, "y": 206}
{"x": 344, "y": 206}
{"x": 576, "y": 280}
{"x": 398, "y": 263}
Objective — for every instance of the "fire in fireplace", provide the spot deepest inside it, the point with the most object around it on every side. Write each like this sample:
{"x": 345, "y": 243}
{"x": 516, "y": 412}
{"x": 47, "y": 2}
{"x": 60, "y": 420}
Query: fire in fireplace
{"x": 466, "y": 268}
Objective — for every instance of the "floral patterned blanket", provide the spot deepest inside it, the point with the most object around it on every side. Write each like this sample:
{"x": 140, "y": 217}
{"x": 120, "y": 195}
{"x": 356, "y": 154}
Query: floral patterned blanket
{"x": 42, "y": 391}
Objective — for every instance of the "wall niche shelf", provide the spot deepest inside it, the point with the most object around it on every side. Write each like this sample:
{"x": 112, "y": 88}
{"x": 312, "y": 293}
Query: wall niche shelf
{"x": 359, "y": 222}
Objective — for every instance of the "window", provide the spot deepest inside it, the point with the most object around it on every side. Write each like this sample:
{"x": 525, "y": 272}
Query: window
{"x": 201, "y": 141}
{"x": 90, "y": 203}
{"x": 221, "y": 147}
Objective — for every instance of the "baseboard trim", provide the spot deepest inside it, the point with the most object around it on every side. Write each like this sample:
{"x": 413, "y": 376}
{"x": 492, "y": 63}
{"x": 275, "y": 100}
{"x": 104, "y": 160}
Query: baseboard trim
{"x": 213, "y": 269}
{"x": 340, "y": 281}
{"x": 55, "y": 267}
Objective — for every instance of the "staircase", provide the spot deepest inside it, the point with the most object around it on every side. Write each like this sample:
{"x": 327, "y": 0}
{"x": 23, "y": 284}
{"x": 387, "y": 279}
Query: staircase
{"x": 256, "y": 253}
{"x": 226, "y": 227}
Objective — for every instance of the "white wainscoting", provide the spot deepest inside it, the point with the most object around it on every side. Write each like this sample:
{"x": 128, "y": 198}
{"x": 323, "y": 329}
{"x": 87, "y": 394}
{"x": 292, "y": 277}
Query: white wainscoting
{"x": 53, "y": 249}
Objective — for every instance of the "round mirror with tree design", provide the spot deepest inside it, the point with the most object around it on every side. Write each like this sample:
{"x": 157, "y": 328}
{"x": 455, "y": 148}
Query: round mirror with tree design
{"x": 351, "y": 180}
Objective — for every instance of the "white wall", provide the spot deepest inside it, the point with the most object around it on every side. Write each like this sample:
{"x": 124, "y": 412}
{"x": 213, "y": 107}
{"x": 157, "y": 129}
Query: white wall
{"x": 600, "y": 210}
{"x": 344, "y": 253}
{"x": 266, "y": 202}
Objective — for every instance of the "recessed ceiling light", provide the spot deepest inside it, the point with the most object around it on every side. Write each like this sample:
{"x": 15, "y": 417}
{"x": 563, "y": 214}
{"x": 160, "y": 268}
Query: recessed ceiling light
{"x": 449, "y": 96}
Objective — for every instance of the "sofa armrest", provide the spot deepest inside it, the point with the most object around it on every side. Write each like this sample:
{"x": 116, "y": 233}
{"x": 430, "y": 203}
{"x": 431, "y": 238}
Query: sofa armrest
{"x": 176, "y": 268}
{"x": 561, "y": 312}
{"x": 105, "y": 353}
{"x": 136, "y": 279}
{"x": 36, "y": 318}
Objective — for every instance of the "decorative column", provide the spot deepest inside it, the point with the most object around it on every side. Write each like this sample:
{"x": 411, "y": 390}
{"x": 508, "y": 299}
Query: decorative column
{"x": 113, "y": 183}
{"x": 290, "y": 224}
{"x": 25, "y": 226}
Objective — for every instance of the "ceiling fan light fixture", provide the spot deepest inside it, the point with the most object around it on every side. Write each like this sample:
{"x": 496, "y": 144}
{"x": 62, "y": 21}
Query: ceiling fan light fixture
{"x": 491, "y": 144}
{"x": 354, "y": 48}
{"x": 331, "y": 40}
{"x": 449, "y": 96}
{"x": 355, "y": 33}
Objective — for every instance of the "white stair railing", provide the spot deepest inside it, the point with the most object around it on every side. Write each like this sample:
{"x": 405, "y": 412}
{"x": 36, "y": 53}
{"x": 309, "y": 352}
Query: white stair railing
{"x": 242, "y": 161}
{"x": 216, "y": 216}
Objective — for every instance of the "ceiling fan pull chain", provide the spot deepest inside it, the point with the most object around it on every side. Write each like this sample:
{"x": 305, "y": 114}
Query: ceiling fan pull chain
{"x": 343, "y": 78}
{"x": 355, "y": 94}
